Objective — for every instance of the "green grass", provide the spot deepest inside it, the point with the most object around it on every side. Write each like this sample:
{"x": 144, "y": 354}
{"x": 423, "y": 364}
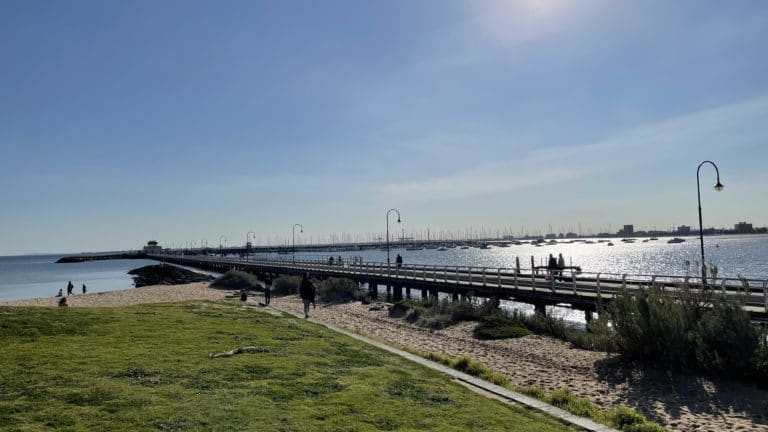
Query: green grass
{"x": 149, "y": 368}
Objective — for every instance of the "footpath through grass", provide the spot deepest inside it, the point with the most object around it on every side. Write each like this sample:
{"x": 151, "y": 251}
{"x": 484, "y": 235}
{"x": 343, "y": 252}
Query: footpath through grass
{"x": 149, "y": 368}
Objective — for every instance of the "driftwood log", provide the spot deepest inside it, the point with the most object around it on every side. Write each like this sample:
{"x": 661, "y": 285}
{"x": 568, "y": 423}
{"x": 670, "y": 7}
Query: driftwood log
{"x": 241, "y": 350}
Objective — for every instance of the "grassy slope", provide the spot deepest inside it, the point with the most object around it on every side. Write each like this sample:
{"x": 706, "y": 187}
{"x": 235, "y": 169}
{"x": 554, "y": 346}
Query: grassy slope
{"x": 148, "y": 368}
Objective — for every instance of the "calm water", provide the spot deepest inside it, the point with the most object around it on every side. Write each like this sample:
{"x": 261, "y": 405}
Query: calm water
{"x": 733, "y": 255}
{"x": 37, "y": 276}
{"x": 25, "y": 277}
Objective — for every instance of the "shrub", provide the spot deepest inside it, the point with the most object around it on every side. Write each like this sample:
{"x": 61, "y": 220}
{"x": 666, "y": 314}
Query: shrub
{"x": 653, "y": 326}
{"x": 724, "y": 340}
{"x": 237, "y": 279}
{"x": 760, "y": 364}
{"x": 623, "y": 417}
{"x": 564, "y": 399}
{"x": 497, "y": 326}
{"x": 338, "y": 290}
{"x": 286, "y": 285}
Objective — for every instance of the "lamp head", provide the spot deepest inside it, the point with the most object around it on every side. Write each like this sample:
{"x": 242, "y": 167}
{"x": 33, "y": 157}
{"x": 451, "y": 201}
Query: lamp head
{"x": 398, "y": 220}
{"x": 719, "y": 186}
{"x": 301, "y": 231}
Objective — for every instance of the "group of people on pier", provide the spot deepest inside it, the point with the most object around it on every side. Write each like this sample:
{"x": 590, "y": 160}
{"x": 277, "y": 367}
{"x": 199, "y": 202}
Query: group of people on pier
{"x": 555, "y": 266}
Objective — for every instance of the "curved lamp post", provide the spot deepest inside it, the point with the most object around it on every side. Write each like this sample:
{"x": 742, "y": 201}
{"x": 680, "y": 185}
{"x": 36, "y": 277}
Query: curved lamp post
{"x": 718, "y": 187}
{"x": 398, "y": 221}
{"x": 293, "y": 243}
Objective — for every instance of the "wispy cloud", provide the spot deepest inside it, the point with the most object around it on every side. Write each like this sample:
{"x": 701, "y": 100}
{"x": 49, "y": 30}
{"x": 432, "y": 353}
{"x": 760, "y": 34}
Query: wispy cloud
{"x": 728, "y": 126}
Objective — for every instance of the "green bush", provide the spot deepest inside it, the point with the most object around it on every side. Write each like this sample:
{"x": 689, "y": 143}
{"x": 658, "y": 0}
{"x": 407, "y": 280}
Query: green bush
{"x": 622, "y": 417}
{"x": 497, "y": 326}
{"x": 237, "y": 279}
{"x": 566, "y": 400}
{"x": 338, "y": 290}
{"x": 644, "y": 427}
{"x": 725, "y": 340}
{"x": 286, "y": 285}
{"x": 654, "y": 327}
{"x": 692, "y": 330}
{"x": 760, "y": 364}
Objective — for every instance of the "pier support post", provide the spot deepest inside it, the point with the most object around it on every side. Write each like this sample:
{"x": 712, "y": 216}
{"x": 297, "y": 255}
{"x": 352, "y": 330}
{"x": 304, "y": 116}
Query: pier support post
{"x": 423, "y": 294}
{"x": 455, "y": 296}
{"x": 373, "y": 290}
{"x": 588, "y": 316}
{"x": 397, "y": 293}
{"x": 408, "y": 293}
{"x": 540, "y": 308}
{"x": 389, "y": 292}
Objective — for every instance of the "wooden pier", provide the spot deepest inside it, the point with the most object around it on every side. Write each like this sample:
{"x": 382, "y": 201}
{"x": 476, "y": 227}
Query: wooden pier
{"x": 578, "y": 290}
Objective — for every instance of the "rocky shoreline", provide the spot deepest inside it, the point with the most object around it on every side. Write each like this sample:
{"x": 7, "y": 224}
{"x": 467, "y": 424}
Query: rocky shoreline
{"x": 164, "y": 274}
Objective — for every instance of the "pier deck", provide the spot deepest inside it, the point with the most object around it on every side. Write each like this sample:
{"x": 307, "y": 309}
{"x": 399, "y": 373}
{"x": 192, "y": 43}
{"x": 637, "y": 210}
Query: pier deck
{"x": 582, "y": 291}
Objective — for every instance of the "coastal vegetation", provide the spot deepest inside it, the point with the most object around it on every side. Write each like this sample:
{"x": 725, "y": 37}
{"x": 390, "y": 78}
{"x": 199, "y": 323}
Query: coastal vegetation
{"x": 700, "y": 331}
{"x": 237, "y": 280}
{"x": 155, "y": 367}
{"x": 621, "y": 417}
{"x": 330, "y": 290}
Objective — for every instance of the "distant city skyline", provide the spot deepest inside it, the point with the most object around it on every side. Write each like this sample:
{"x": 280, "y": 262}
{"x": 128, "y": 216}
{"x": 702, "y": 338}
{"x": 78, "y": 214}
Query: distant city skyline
{"x": 177, "y": 121}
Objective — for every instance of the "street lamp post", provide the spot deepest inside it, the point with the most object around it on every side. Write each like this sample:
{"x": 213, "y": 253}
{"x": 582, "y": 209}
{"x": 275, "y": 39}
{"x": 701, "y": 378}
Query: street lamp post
{"x": 248, "y": 242}
{"x": 293, "y": 242}
{"x": 718, "y": 187}
{"x": 221, "y": 248}
{"x": 398, "y": 221}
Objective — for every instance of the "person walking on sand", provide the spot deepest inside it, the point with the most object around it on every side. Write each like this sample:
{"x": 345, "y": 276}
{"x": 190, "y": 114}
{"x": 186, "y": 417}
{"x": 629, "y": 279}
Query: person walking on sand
{"x": 399, "y": 261}
{"x": 267, "y": 288}
{"x": 70, "y": 287}
{"x": 307, "y": 293}
{"x": 85, "y": 290}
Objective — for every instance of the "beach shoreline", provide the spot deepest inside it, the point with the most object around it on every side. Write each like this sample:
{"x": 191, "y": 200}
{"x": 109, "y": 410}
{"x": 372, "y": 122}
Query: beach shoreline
{"x": 679, "y": 402}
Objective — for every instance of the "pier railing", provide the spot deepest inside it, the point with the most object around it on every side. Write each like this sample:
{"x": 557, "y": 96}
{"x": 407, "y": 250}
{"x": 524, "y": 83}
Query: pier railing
{"x": 566, "y": 283}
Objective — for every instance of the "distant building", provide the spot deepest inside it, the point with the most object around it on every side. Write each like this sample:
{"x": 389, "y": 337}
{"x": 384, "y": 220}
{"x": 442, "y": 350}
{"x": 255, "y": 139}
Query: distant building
{"x": 628, "y": 230}
{"x": 743, "y": 228}
{"x": 152, "y": 247}
{"x": 571, "y": 235}
{"x": 684, "y": 230}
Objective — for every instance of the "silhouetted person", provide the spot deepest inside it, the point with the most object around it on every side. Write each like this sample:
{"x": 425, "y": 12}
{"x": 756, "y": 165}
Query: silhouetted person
{"x": 267, "y": 288}
{"x": 330, "y": 261}
{"x": 63, "y": 302}
{"x": 560, "y": 264}
{"x": 243, "y": 295}
{"x": 70, "y": 287}
{"x": 340, "y": 261}
{"x": 60, "y": 293}
{"x": 307, "y": 293}
{"x": 85, "y": 290}
{"x": 551, "y": 265}
{"x": 399, "y": 261}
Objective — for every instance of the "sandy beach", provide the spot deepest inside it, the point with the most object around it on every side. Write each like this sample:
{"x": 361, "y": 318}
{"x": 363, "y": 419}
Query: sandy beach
{"x": 132, "y": 296}
{"x": 680, "y": 402}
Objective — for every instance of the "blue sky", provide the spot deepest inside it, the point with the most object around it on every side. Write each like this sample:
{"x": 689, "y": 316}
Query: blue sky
{"x": 126, "y": 121}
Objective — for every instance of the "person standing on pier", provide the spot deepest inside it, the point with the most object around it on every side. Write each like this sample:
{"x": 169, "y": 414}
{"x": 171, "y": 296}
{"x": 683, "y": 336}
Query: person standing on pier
{"x": 551, "y": 267}
{"x": 399, "y": 261}
{"x": 560, "y": 265}
{"x": 307, "y": 293}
